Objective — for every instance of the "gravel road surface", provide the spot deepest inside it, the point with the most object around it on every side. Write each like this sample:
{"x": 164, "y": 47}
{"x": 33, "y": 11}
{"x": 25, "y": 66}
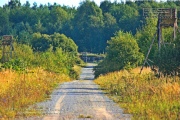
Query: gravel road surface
{"x": 81, "y": 100}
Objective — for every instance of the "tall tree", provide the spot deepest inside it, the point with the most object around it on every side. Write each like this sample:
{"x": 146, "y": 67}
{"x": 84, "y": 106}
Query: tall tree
{"x": 14, "y": 4}
{"x": 4, "y": 22}
{"x": 88, "y": 24}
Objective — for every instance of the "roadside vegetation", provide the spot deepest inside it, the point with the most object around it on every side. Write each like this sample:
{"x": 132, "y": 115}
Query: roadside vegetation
{"x": 152, "y": 95}
{"x": 144, "y": 96}
{"x": 19, "y": 90}
{"x": 46, "y": 53}
{"x": 31, "y": 75}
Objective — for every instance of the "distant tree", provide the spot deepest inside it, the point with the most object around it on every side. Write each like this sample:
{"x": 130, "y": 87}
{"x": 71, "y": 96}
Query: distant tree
{"x": 110, "y": 27}
{"x": 122, "y": 53}
{"x": 34, "y": 6}
{"x": 126, "y": 17}
{"x": 58, "y": 17}
{"x": 63, "y": 42}
{"x": 145, "y": 36}
{"x": 40, "y": 42}
{"x": 27, "y": 4}
{"x": 38, "y": 27}
{"x": 14, "y": 4}
{"x": 105, "y": 6}
{"x": 88, "y": 24}
{"x": 4, "y": 22}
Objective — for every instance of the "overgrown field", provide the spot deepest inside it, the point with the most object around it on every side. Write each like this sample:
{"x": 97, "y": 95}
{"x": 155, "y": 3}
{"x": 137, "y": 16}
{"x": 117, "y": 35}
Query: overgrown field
{"x": 30, "y": 76}
{"x": 144, "y": 96}
{"x": 19, "y": 90}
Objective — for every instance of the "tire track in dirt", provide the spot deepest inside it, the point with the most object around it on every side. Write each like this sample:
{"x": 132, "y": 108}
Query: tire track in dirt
{"x": 81, "y": 99}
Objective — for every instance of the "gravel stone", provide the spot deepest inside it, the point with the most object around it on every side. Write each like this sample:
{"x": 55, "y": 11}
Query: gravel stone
{"x": 80, "y": 100}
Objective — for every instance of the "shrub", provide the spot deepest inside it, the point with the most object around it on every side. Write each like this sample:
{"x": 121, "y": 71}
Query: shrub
{"x": 122, "y": 53}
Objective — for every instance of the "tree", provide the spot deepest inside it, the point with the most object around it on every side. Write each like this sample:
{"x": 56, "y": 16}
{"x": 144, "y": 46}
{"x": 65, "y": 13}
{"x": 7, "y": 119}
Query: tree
{"x": 146, "y": 35}
{"x": 58, "y": 17}
{"x": 105, "y": 6}
{"x": 63, "y": 42}
{"x": 40, "y": 42}
{"x": 168, "y": 59}
{"x": 126, "y": 17}
{"x": 4, "y": 22}
{"x": 14, "y": 4}
{"x": 110, "y": 27}
{"x": 122, "y": 53}
{"x": 87, "y": 29}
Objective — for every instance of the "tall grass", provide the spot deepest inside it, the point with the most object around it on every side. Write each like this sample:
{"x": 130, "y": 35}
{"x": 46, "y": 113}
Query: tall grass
{"x": 30, "y": 77}
{"x": 144, "y": 96}
{"x": 19, "y": 90}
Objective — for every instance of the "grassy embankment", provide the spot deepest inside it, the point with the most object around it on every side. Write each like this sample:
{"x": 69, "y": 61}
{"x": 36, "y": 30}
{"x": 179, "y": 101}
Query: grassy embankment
{"x": 19, "y": 90}
{"x": 30, "y": 78}
{"x": 144, "y": 96}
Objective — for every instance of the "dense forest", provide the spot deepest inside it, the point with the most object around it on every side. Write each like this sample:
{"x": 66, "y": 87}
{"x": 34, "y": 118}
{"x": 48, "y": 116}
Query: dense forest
{"x": 91, "y": 27}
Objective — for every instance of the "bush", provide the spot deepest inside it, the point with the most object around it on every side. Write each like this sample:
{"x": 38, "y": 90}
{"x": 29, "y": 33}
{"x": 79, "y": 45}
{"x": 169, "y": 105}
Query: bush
{"x": 168, "y": 59}
{"x": 122, "y": 53}
{"x": 15, "y": 64}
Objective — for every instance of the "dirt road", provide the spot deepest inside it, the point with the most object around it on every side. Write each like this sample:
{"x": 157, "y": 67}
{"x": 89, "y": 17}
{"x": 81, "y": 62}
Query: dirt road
{"x": 81, "y": 99}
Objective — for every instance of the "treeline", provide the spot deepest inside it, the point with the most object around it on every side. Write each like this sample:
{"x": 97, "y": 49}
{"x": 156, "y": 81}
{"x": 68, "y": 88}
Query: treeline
{"x": 60, "y": 56}
{"x": 89, "y": 25}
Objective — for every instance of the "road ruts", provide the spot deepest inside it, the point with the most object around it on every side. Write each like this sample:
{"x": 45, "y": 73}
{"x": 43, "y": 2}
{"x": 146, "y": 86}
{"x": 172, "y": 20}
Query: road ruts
{"x": 81, "y": 99}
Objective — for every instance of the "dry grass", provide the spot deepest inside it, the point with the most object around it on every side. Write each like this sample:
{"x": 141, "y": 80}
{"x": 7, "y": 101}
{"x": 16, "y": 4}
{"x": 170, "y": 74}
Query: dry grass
{"x": 19, "y": 90}
{"x": 144, "y": 96}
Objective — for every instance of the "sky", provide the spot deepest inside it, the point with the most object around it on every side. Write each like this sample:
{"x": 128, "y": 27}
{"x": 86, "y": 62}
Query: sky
{"x": 70, "y": 3}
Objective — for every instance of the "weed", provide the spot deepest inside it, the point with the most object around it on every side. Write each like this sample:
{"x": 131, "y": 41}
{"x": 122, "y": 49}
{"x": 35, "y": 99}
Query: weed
{"x": 144, "y": 96}
{"x": 19, "y": 90}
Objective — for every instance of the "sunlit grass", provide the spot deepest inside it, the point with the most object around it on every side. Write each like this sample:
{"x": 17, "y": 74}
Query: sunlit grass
{"x": 144, "y": 96}
{"x": 18, "y": 90}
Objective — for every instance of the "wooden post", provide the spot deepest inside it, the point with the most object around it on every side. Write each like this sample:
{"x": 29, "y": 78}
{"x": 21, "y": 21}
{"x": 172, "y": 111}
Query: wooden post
{"x": 7, "y": 43}
{"x": 167, "y": 17}
{"x": 159, "y": 34}
{"x": 175, "y": 27}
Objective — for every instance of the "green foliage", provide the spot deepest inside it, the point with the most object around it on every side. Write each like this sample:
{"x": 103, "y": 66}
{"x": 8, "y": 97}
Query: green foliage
{"x": 146, "y": 35}
{"x": 58, "y": 60}
{"x": 168, "y": 59}
{"x": 61, "y": 41}
{"x": 42, "y": 42}
{"x": 15, "y": 64}
{"x": 24, "y": 52}
{"x": 89, "y": 25}
{"x": 122, "y": 53}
